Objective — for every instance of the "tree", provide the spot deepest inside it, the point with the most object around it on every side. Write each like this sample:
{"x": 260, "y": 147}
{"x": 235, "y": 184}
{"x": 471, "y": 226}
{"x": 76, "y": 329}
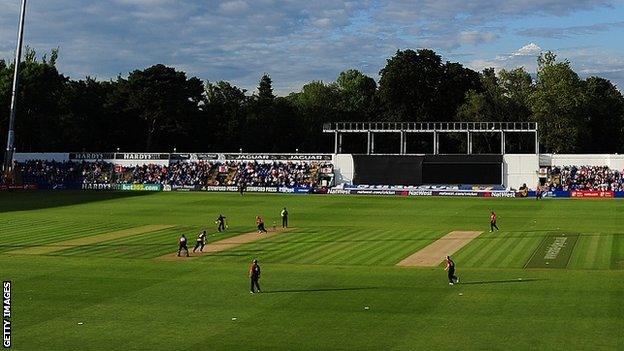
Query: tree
{"x": 605, "y": 113}
{"x": 265, "y": 90}
{"x": 166, "y": 101}
{"x": 224, "y": 116}
{"x": 39, "y": 110}
{"x": 88, "y": 123}
{"x": 317, "y": 103}
{"x": 558, "y": 105}
{"x": 259, "y": 115}
{"x": 417, "y": 86}
{"x": 357, "y": 95}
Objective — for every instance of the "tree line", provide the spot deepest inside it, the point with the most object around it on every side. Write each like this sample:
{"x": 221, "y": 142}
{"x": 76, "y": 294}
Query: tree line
{"x": 160, "y": 108}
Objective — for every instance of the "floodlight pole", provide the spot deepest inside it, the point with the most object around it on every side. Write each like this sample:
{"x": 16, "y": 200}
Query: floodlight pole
{"x": 8, "y": 157}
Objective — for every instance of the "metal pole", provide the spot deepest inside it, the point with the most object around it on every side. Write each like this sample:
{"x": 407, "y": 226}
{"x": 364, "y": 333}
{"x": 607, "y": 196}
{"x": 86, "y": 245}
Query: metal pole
{"x": 536, "y": 141}
{"x": 502, "y": 142}
{"x": 401, "y": 146}
{"x": 405, "y": 143}
{"x": 368, "y": 143}
{"x": 336, "y": 142}
{"x": 469, "y": 144}
{"x": 339, "y": 143}
{"x": 8, "y": 157}
{"x": 372, "y": 143}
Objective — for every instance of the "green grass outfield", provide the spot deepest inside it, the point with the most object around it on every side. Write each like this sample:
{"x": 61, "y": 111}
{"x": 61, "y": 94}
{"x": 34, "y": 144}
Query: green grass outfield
{"x": 317, "y": 279}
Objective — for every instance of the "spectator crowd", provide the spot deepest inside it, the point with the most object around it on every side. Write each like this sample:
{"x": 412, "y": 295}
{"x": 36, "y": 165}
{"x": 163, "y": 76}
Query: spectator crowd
{"x": 199, "y": 173}
{"x": 595, "y": 178}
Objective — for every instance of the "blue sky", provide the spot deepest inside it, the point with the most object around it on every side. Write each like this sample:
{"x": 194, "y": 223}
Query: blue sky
{"x": 297, "y": 41}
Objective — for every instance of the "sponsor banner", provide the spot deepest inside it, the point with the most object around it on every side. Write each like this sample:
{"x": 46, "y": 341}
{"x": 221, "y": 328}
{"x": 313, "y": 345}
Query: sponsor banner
{"x": 618, "y": 194}
{"x": 9, "y": 187}
{"x": 220, "y": 188}
{"x": 183, "y": 187}
{"x": 558, "y": 193}
{"x": 591, "y": 194}
{"x": 194, "y": 157}
{"x": 339, "y": 191}
{"x": 140, "y": 187}
{"x": 141, "y": 156}
{"x": 457, "y": 193}
{"x": 281, "y": 157}
{"x": 302, "y": 190}
{"x": 505, "y": 194}
{"x": 375, "y": 192}
{"x": 255, "y": 189}
{"x": 105, "y": 186}
{"x": 420, "y": 193}
{"x": 296, "y": 190}
{"x": 76, "y": 156}
{"x": 261, "y": 189}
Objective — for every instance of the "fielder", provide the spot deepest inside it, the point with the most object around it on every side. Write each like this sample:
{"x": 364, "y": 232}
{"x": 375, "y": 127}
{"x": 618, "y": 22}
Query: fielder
{"x": 450, "y": 267}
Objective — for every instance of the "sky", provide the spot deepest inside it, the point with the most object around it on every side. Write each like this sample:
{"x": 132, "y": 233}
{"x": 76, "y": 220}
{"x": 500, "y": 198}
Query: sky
{"x": 297, "y": 41}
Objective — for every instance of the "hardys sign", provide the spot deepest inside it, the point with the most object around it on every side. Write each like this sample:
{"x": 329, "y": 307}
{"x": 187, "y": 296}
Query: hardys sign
{"x": 103, "y": 186}
{"x": 278, "y": 157}
{"x": 141, "y": 156}
{"x": 91, "y": 156}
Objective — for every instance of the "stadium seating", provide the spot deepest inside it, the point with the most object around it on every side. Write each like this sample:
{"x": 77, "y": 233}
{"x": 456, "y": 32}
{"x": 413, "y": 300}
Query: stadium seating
{"x": 200, "y": 173}
{"x": 585, "y": 178}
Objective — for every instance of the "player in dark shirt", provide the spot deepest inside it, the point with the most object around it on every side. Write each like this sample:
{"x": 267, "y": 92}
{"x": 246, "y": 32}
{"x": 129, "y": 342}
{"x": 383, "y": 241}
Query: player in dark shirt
{"x": 450, "y": 267}
{"x": 201, "y": 241}
{"x": 284, "y": 215}
{"x": 221, "y": 222}
{"x": 254, "y": 276}
{"x": 183, "y": 246}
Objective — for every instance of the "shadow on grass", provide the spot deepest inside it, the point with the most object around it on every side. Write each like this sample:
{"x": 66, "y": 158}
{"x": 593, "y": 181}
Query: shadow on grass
{"x": 318, "y": 290}
{"x": 501, "y": 281}
{"x": 40, "y": 199}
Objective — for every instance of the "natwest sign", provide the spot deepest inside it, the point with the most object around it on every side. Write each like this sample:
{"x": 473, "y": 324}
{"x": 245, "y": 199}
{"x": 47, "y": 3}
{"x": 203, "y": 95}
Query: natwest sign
{"x": 592, "y": 194}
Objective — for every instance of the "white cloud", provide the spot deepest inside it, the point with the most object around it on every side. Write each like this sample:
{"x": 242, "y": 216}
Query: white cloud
{"x": 294, "y": 41}
{"x": 530, "y": 49}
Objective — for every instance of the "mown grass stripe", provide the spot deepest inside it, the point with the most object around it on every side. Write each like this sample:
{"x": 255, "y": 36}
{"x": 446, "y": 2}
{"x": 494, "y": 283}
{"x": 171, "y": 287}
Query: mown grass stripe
{"x": 523, "y": 252}
{"x": 469, "y": 254}
{"x": 503, "y": 249}
{"x": 64, "y": 232}
{"x": 130, "y": 245}
{"x": 305, "y": 246}
{"x": 39, "y": 250}
{"x": 483, "y": 249}
{"x": 355, "y": 248}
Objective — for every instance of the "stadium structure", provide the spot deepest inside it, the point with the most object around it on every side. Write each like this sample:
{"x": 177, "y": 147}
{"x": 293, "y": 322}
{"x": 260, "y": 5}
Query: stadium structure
{"x": 404, "y": 173}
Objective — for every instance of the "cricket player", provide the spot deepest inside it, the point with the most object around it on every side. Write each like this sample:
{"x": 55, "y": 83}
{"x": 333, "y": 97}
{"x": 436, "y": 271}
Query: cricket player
{"x": 221, "y": 222}
{"x": 450, "y": 268}
{"x": 183, "y": 246}
{"x": 260, "y": 224}
{"x": 493, "y": 222}
{"x": 254, "y": 275}
{"x": 201, "y": 241}
{"x": 284, "y": 215}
